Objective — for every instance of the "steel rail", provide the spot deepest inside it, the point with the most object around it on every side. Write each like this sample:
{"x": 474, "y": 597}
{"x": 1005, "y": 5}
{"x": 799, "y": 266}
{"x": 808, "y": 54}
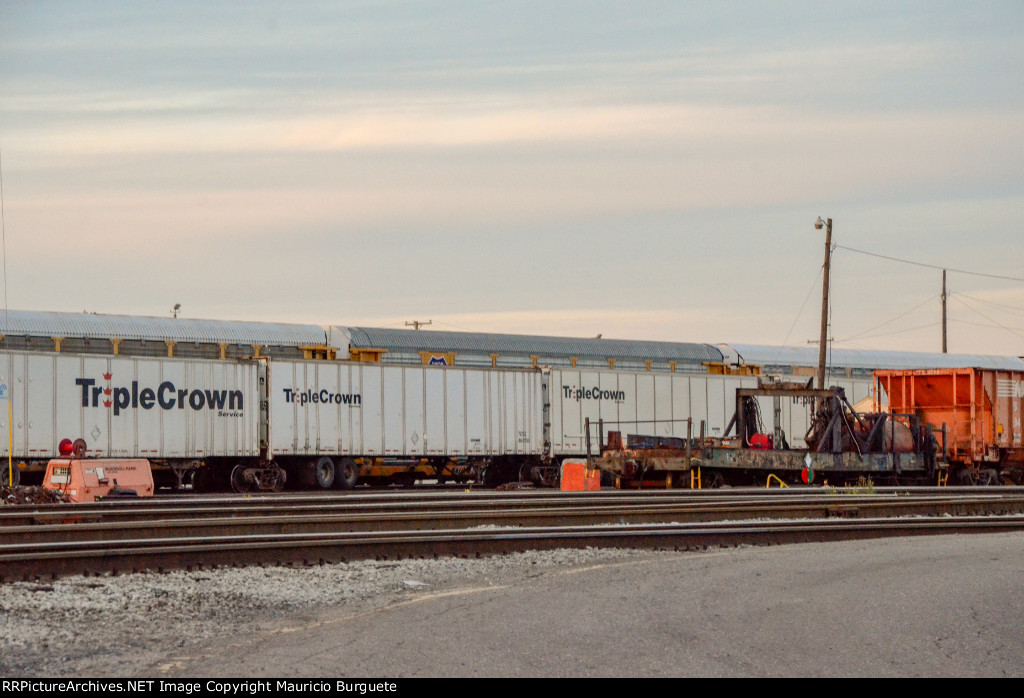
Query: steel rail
{"x": 548, "y": 513}
{"x": 34, "y": 561}
{"x": 145, "y": 510}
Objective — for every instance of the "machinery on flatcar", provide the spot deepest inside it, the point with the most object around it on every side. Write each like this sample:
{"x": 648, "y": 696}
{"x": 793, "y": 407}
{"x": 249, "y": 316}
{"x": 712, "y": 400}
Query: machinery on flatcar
{"x": 842, "y": 447}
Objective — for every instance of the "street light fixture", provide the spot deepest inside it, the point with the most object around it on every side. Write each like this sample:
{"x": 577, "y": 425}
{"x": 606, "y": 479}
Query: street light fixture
{"x": 818, "y": 225}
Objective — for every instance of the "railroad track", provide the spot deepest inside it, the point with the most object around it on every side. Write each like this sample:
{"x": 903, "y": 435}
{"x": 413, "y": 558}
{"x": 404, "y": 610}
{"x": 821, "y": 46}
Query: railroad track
{"x": 115, "y": 538}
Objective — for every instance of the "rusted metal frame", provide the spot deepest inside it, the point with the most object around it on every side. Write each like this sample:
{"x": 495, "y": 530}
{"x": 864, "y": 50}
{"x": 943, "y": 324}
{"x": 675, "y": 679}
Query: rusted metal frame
{"x": 689, "y": 438}
{"x": 792, "y": 461}
{"x": 974, "y": 415}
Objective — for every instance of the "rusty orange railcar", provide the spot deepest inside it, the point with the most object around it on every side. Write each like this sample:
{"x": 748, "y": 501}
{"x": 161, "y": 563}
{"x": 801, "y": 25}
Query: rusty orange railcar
{"x": 974, "y": 412}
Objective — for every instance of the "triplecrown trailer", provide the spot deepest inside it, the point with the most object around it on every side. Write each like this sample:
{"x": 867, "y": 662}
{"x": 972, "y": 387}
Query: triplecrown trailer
{"x": 179, "y": 413}
{"x": 252, "y": 423}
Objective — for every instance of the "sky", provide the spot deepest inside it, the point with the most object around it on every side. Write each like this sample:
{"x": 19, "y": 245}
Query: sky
{"x": 640, "y": 170}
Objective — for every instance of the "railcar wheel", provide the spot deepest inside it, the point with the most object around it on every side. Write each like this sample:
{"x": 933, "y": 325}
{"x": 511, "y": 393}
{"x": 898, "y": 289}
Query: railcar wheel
{"x": 277, "y": 484}
{"x": 965, "y": 477}
{"x": 715, "y": 481}
{"x": 239, "y": 483}
{"x": 346, "y": 474}
{"x": 989, "y": 477}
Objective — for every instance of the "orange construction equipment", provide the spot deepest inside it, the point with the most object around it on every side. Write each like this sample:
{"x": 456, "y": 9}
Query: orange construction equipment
{"x": 576, "y": 477}
{"x": 89, "y": 479}
{"x": 975, "y": 414}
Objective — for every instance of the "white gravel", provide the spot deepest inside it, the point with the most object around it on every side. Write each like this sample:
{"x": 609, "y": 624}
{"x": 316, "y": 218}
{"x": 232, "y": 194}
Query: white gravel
{"x": 129, "y": 625}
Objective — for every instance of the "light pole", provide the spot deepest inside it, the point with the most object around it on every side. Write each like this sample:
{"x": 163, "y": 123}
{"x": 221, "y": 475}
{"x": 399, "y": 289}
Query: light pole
{"x": 827, "y": 224}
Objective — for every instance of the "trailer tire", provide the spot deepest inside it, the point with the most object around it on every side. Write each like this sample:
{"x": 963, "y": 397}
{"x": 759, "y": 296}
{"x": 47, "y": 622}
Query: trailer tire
{"x": 202, "y": 480}
{"x": 322, "y": 474}
{"x": 491, "y": 476}
{"x": 346, "y": 474}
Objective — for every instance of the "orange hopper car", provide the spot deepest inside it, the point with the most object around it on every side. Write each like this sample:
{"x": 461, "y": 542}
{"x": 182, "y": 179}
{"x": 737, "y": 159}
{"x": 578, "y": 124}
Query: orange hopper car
{"x": 974, "y": 412}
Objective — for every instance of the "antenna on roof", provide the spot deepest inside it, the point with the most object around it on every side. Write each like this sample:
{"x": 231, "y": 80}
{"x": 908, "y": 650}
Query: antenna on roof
{"x": 416, "y": 324}
{"x": 175, "y": 309}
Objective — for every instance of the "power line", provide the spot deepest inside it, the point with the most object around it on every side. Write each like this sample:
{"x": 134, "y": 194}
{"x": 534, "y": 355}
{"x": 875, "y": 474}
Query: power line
{"x": 906, "y": 329}
{"x": 1011, "y": 308}
{"x": 930, "y": 266}
{"x": 893, "y": 319}
{"x": 1008, "y": 329}
{"x": 799, "y": 312}
{"x": 983, "y": 324}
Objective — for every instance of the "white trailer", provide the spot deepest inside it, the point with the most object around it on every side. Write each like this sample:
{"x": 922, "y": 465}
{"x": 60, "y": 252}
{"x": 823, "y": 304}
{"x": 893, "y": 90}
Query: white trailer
{"x": 323, "y": 415}
{"x": 242, "y": 421}
{"x": 174, "y": 412}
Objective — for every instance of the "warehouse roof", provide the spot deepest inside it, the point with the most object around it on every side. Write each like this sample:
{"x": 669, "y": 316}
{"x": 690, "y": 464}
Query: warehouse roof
{"x": 134, "y": 327}
{"x": 526, "y": 345}
{"x": 762, "y": 355}
{"x": 52, "y": 324}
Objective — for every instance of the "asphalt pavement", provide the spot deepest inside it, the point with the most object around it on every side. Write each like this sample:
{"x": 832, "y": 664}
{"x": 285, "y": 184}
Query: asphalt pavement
{"x": 920, "y": 606}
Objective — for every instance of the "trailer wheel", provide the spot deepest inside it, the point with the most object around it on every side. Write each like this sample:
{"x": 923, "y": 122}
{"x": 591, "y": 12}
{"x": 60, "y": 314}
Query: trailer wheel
{"x": 322, "y": 473}
{"x": 346, "y": 474}
{"x": 491, "y": 476}
{"x": 201, "y": 480}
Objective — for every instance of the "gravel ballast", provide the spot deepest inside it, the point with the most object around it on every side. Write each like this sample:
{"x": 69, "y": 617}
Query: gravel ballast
{"x": 132, "y": 625}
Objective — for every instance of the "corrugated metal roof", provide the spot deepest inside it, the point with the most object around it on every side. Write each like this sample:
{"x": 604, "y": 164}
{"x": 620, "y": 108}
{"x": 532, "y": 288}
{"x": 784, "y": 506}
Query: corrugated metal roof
{"x": 486, "y": 343}
{"x": 51, "y": 324}
{"x": 871, "y": 359}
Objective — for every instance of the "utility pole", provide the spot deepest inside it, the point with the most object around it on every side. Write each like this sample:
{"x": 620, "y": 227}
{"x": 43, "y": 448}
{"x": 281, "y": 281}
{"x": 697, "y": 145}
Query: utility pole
{"x": 943, "y": 311}
{"x": 824, "y": 299}
{"x": 416, "y": 324}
